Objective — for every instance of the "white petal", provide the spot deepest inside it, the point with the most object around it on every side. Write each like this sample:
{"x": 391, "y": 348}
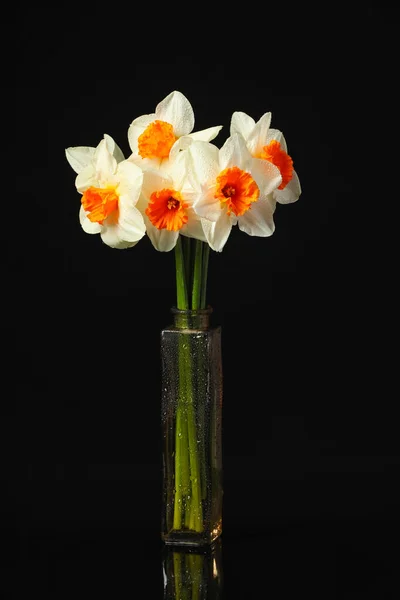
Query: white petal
{"x": 87, "y": 225}
{"x": 105, "y": 163}
{"x": 266, "y": 175}
{"x": 176, "y": 110}
{"x": 136, "y": 129}
{"x": 113, "y": 148}
{"x": 290, "y": 193}
{"x": 258, "y": 220}
{"x": 86, "y": 179}
{"x": 194, "y": 228}
{"x": 207, "y": 206}
{"x": 154, "y": 181}
{"x": 206, "y": 135}
{"x": 275, "y": 134}
{"x": 130, "y": 178}
{"x": 79, "y": 157}
{"x": 234, "y": 153}
{"x": 203, "y": 164}
{"x": 242, "y": 123}
{"x": 131, "y": 227}
{"x": 111, "y": 237}
{"x": 257, "y": 139}
{"x": 162, "y": 240}
{"x": 217, "y": 233}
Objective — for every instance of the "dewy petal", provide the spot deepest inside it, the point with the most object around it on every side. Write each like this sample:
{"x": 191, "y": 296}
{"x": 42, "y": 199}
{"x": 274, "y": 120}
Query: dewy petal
{"x": 136, "y": 129}
{"x": 206, "y": 135}
{"x": 176, "y": 110}
{"x": 114, "y": 149}
{"x": 79, "y": 157}
{"x": 266, "y": 175}
{"x": 275, "y": 134}
{"x": 154, "y": 181}
{"x": 86, "y": 178}
{"x": 194, "y": 227}
{"x": 131, "y": 227}
{"x": 218, "y": 233}
{"x": 207, "y": 206}
{"x": 162, "y": 239}
{"x": 111, "y": 237}
{"x": 258, "y": 220}
{"x": 242, "y": 123}
{"x": 256, "y": 140}
{"x": 203, "y": 164}
{"x": 87, "y": 225}
{"x": 234, "y": 153}
{"x": 130, "y": 178}
{"x": 105, "y": 163}
{"x": 290, "y": 193}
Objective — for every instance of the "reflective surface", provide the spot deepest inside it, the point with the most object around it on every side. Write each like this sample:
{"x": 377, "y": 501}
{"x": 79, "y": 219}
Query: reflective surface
{"x": 321, "y": 559}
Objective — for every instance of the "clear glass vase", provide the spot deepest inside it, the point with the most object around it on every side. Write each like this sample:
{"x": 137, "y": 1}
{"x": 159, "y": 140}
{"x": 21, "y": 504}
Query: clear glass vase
{"x": 191, "y": 427}
{"x": 193, "y": 573}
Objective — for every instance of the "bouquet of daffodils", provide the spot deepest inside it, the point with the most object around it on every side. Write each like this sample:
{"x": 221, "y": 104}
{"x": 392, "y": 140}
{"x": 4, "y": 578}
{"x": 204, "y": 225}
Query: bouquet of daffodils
{"x": 181, "y": 190}
{"x": 186, "y": 194}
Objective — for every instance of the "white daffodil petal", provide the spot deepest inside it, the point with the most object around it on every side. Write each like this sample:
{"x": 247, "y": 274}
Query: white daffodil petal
{"x": 207, "y": 206}
{"x": 136, "y": 129}
{"x": 275, "y": 134}
{"x": 111, "y": 235}
{"x": 194, "y": 227}
{"x": 130, "y": 178}
{"x": 162, "y": 239}
{"x": 176, "y": 110}
{"x": 130, "y": 221}
{"x": 257, "y": 139}
{"x": 86, "y": 179}
{"x": 206, "y": 135}
{"x": 203, "y": 164}
{"x": 266, "y": 175}
{"x": 290, "y": 193}
{"x": 218, "y": 233}
{"x": 105, "y": 163}
{"x": 88, "y": 226}
{"x": 79, "y": 157}
{"x": 113, "y": 148}
{"x": 154, "y": 181}
{"x": 242, "y": 123}
{"x": 258, "y": 220}
{"x": 234, "y": 153}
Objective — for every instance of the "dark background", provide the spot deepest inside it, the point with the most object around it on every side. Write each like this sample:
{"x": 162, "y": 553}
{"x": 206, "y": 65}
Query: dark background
{"x": 310, "y": 430}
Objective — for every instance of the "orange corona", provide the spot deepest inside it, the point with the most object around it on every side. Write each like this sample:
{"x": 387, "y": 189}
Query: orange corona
{"x": 274, "y": 153}
{"x": 167, "y": 210}
{"x": 156, "y": 140}
{"x": 237, "y": 190}
{"x": 99, "y": 203}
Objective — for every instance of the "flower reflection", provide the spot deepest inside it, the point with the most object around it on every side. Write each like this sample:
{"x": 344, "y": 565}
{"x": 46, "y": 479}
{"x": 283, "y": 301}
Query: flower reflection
{"x": 192, "y": 574}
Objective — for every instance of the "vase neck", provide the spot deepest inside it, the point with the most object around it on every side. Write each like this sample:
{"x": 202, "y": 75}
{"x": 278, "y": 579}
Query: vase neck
{"x": 192, "y": 319}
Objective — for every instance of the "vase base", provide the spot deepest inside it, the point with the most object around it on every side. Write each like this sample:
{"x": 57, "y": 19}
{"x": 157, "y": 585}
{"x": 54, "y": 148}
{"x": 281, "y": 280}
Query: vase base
{"x": 192, "y": 538}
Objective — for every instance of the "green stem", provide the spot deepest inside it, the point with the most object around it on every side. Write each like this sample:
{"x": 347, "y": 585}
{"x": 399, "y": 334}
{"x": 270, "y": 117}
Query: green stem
{"x": 206, "y": 254}
{"x": 197, "y": 272}
{"x": 181, "y": 288}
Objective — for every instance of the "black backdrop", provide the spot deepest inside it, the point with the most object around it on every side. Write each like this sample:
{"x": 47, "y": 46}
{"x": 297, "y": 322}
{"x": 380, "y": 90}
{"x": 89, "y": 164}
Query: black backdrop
{"x": 310, "y": 426}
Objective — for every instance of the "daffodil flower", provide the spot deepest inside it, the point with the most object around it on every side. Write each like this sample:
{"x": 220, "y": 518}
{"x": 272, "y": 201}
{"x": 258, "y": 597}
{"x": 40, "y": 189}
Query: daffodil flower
{"x": 110, "y": 188}
{"x": 232, "y": 189}
{"x": 153, "y": 136}
{"x": 166, "y": 204}
{"x": 270, "y": 145}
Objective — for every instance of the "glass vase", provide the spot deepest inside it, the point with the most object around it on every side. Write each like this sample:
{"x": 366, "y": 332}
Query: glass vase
{"x": 193, "y": 573}
{"x": 191, "y": 428}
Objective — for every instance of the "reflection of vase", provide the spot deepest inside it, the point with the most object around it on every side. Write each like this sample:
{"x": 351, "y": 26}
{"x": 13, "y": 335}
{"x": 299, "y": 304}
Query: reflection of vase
{"x": 191, "y": 426}
{"x": 193, "y": 574}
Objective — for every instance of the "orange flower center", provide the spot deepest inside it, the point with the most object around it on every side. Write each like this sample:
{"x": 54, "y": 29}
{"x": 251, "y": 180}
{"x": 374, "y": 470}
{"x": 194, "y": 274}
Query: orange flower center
{"x": 156, "y": 140}
{"x": 99, "y": 203}
{"x": 167, "y": 210}
{"x": 236, "y": 190}
{"x": 274, "y": 153}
